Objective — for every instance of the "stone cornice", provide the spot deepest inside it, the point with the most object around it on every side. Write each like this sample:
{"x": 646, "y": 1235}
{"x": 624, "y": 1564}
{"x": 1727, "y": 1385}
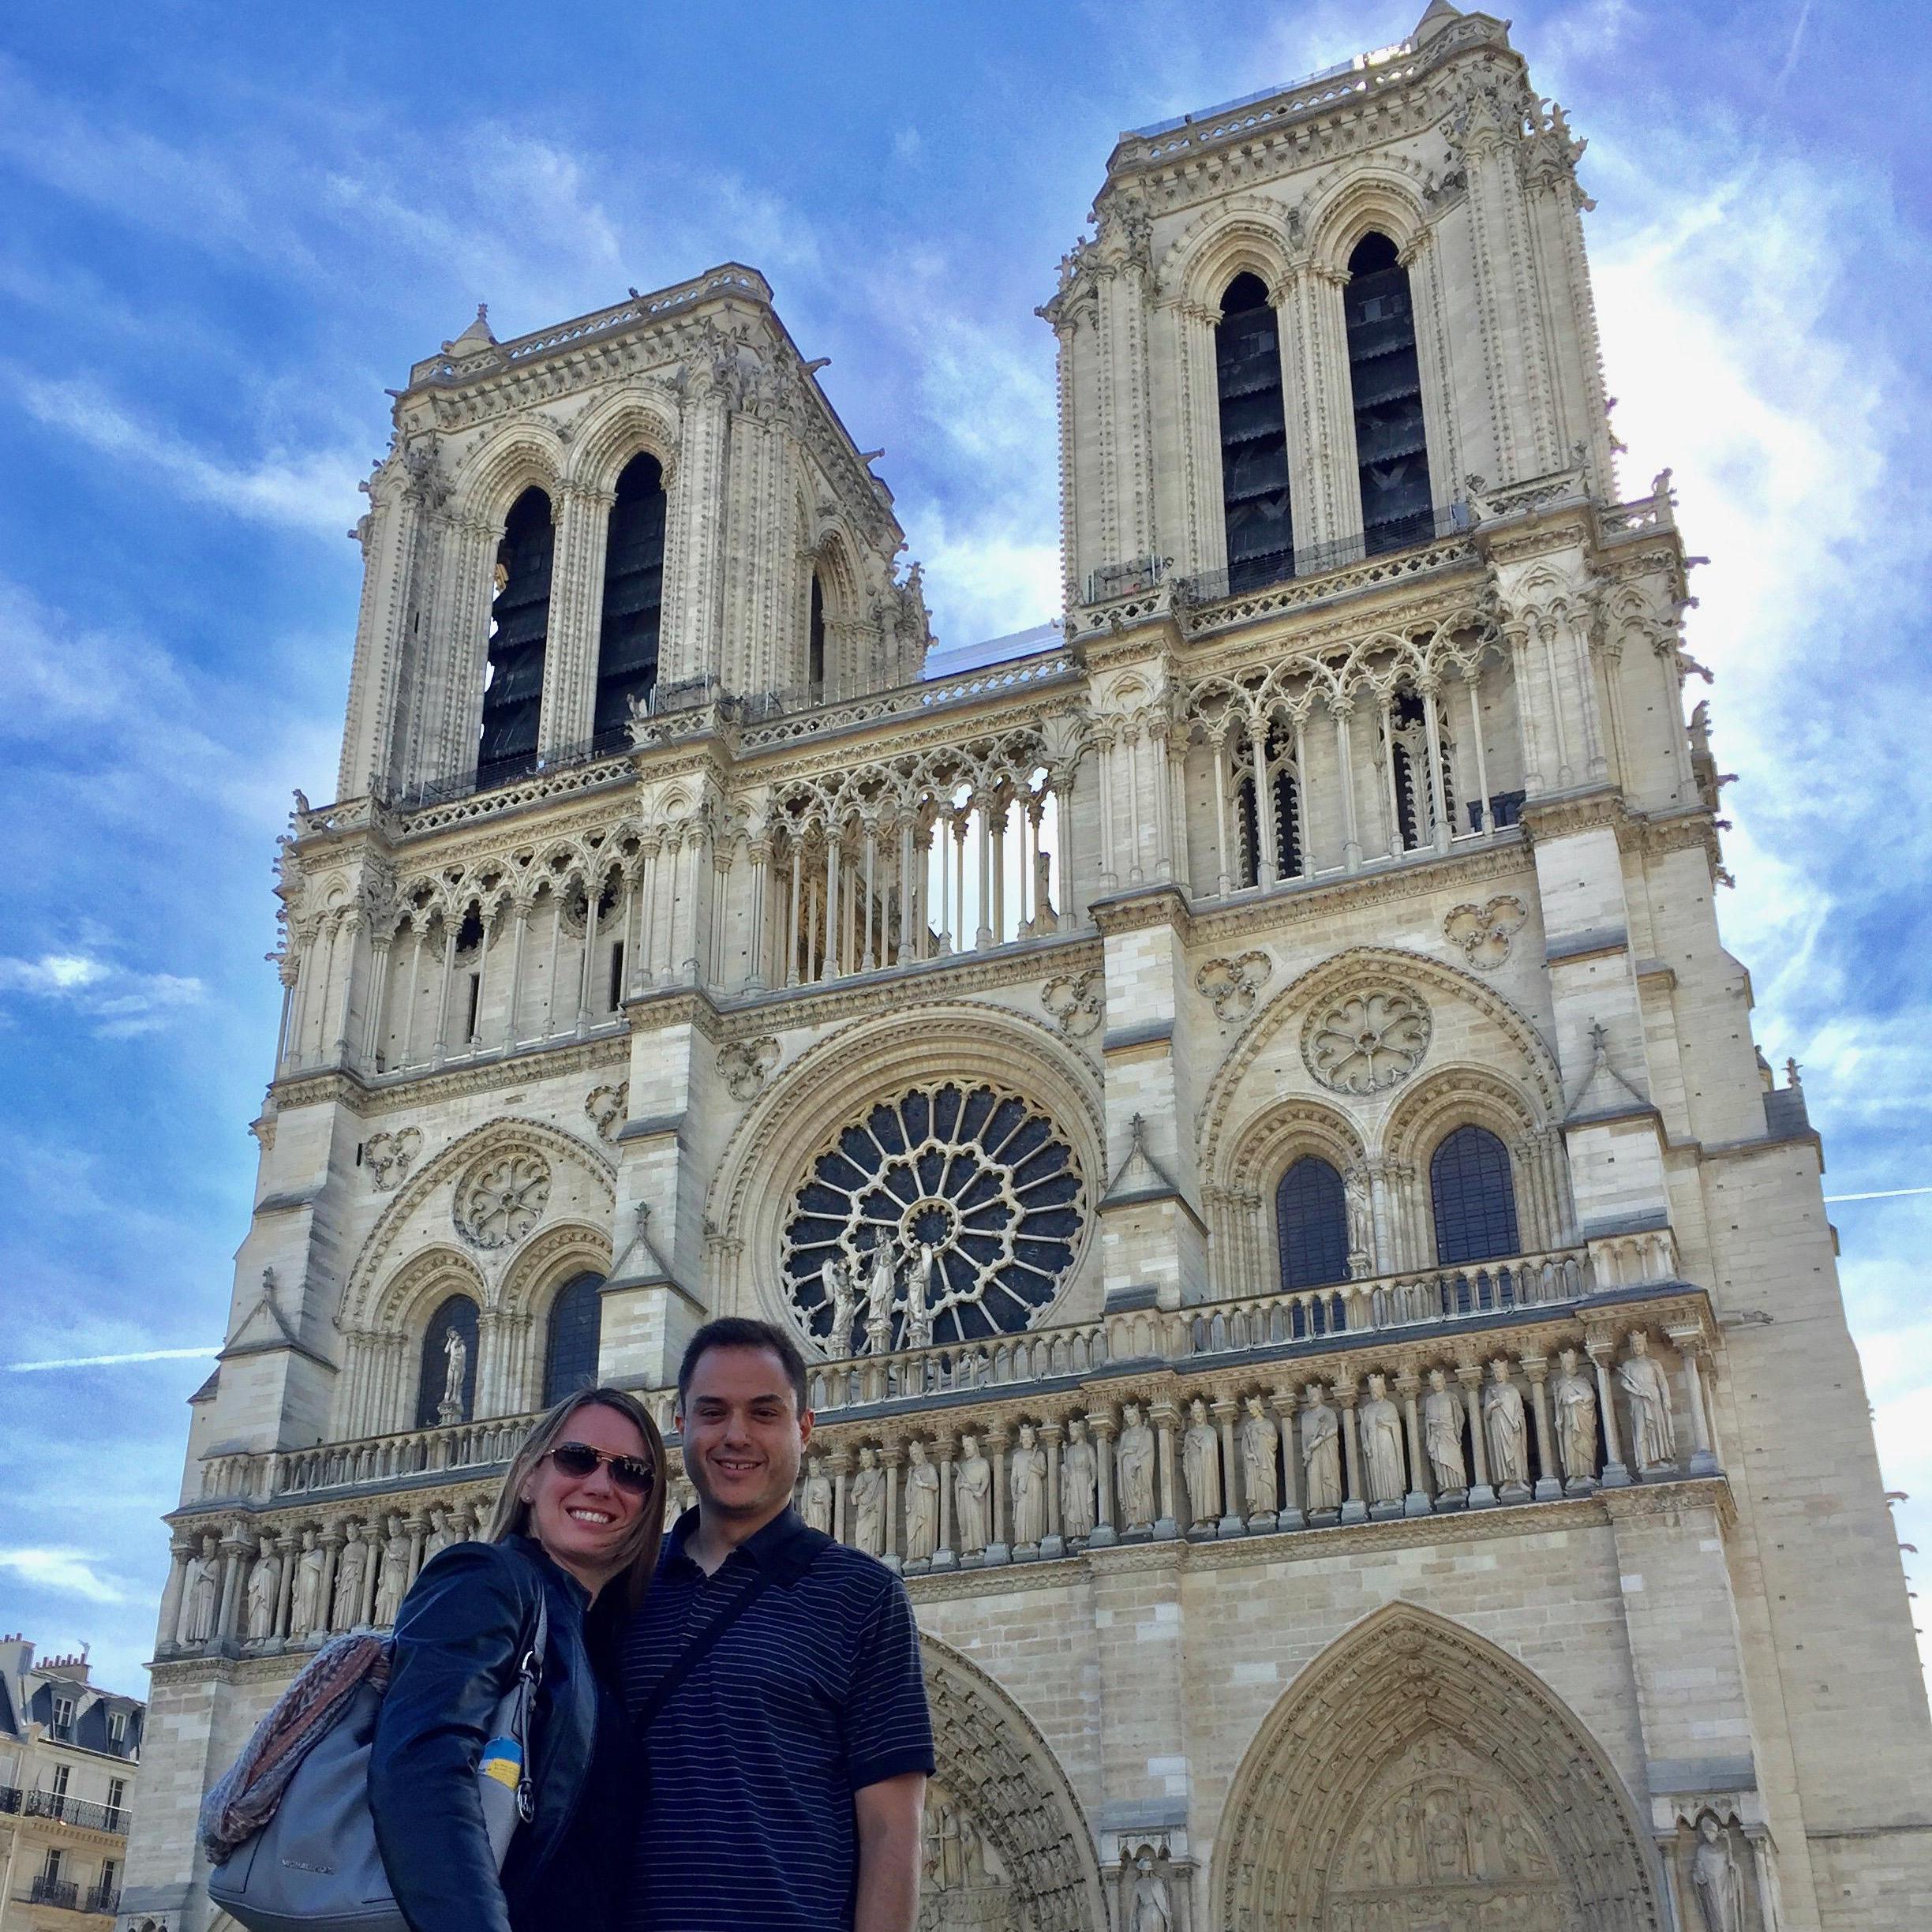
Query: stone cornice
{"x": 555, "y": 1060}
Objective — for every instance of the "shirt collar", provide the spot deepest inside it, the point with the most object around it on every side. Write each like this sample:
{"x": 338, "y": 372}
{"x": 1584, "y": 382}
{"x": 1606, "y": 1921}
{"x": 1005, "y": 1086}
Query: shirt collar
{"x": 785, "y": 1547}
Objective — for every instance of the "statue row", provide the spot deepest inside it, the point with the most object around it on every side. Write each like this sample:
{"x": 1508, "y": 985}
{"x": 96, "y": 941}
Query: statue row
{"x": 1468, "y": 1436}
{"x": 306, "y": 1584}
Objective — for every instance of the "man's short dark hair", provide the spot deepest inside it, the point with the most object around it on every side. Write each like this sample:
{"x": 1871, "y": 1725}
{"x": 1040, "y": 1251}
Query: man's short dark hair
{"x": 739, "y": 1331}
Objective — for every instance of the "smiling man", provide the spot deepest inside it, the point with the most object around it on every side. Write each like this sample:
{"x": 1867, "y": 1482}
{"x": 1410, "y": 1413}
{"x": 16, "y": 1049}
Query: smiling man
{"x": 786, "y": 1761}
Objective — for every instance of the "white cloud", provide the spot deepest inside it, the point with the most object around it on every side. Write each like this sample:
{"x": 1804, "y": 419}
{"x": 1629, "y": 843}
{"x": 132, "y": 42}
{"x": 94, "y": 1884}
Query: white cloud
{"x": 107, "y": 1361}
{"x": 121, "y": 1004}
{"x": 66, "y": 1572}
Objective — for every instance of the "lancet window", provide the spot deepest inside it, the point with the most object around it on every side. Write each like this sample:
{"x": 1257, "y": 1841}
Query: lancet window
{"x": 519, "y": 628}
{"x": 446, "y": 1391}
{"x": 1390, "y": 447}
{"x": 1417, "y": 808}
{"x": 632, "y": 599}
{"x": 1284, "y": 788}
{"x": 1254, "y": 437}
{"x": 1473, "y": 1197}
{"x": 815, "y": 639}
{"x": 571, "y": 1339}
{"x": 1311, "y": 1224}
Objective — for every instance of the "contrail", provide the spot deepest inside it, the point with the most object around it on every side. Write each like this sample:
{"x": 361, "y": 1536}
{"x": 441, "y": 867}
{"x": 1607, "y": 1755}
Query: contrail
{"x": 1878, "y": 1194}
{"x": 110, "y": 1361}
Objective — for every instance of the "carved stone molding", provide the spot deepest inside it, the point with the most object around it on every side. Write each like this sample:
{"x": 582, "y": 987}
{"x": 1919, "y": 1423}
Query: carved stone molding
{"x": 745, "y": 1066}
{"x": 1367, "y": 1042}
{"x": 1235, "y": 985}
{"x": 1484, "y": 932}
{"x": 388, "y": 1157}
{"x": 1077, "y": 1002}
{"x": 607, "y": 1108}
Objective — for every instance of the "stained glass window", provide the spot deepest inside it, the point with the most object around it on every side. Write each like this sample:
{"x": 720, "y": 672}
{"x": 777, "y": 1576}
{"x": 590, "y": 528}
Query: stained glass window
{"x": 1474, "y": 1197}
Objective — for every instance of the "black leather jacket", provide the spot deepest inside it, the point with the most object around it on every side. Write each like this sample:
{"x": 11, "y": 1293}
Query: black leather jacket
{"x": 459, "y": 1636}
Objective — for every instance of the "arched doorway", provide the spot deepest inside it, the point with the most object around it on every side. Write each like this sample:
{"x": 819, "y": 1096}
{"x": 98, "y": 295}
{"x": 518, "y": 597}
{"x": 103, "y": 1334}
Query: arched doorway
{"x": 1417, "y": 1778}
{"x": 1006, "y": 1847}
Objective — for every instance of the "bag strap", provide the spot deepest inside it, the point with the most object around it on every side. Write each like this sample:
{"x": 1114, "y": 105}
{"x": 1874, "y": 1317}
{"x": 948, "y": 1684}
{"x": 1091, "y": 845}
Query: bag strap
{"x": 700, "y": 1646}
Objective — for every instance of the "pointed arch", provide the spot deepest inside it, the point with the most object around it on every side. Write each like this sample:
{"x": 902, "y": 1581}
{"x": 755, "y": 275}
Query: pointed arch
{"x": 1361, "y": 201}
{"x": 527, "y": 454}
{"x": 1244, "y": 234}
{"x": 633, "y": 423}
{"x": 1404, "y": 1685}
{"x": 993, "y": 1759}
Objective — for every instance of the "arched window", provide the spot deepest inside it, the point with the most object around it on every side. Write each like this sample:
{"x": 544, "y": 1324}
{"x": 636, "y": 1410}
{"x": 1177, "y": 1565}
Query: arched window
{"x": 1311, "y": 1221}
{"x": 449, "y": 1364}
{"x": 1287, "y": 810}
{"x": 1254, "y": 438}
{"x": 1415, "y": 803}
{"x": 519, "y": 626}
{"x": 815, "y": 639}
{"x": 571, "y": 1342}
{"x": 1474, "y": 1198}
{"x": 632, "y": 599}
{"x": 1390, "y": 447}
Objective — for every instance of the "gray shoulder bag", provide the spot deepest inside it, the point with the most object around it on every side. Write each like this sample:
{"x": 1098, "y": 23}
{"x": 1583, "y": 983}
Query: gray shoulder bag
{"x": 314, "y": 1866}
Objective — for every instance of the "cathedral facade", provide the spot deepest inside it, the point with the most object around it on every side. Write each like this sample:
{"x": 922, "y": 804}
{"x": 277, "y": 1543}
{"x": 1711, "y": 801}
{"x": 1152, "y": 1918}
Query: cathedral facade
{"x": 1168, "y": 1075}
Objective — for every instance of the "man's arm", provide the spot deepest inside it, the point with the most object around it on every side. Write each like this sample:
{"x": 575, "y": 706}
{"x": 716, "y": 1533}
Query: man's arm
{"x": 889, "y": 1816}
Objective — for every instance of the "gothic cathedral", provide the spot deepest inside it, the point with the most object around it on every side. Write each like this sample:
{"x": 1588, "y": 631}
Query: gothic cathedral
{"x": 1240, "y": 1093}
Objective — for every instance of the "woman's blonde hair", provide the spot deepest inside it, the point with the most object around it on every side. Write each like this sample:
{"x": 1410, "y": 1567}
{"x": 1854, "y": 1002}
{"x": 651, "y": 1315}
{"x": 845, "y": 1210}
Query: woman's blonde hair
{"x": 511, "y": 1516}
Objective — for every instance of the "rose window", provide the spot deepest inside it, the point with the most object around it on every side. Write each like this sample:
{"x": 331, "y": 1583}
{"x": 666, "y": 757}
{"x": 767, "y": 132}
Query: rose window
{"x": 501, "y": 1201}
{"x": 1367, "y": 1042}
{"x": 947, "y": 1216}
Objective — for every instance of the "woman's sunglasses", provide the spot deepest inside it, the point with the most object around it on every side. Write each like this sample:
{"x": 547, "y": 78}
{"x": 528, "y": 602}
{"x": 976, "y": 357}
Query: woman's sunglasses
{"x": 632, "y": 1474}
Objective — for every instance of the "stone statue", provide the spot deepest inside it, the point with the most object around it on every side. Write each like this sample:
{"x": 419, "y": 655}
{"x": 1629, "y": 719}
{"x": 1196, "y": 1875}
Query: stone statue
{"x": 1135, "y": 1460}
{"x": 1027, "y": 1475}
{"x": 880, "y": 1287}
{"x": 1442, "y": 1435}
{"x": 441, "y": 1536}
{"x": 1259, "y": 1441}
{"x": 392, "y": 1574}
{"x": 305, "y": 1617}
{"x": 1503, "y": 1427}
{"x": 972, "y": 1497}
{"x": 201, "y": 1599}
{"x": 1384, "y": 1468}
{"x": 835, "y": 1277}
{"x": 351, "y": 1567}
{"x": 1360, "y": 1219}
{"x": 1321, "y": 1451}
{"x": 1575, "y": 1399}
{"x": 1715, "y": 1878}
{"x": 921, "y": 1260}
{"x": 455, "y": 1365}
{"x": 1654, "y": 1429}
{"x": 1447, "y": 1837}
{"x": 815, "y": 1503}
{"x": 1045, "y": 918}
{"x": 867, "y": 1498}
{"x": 1079, "y": 1474}
{"x": 921, "y": 1505}
{"x": 1151, "y": 1907}
{"x": 1200, "y": 1463}
{"x": 265, "y": 1584}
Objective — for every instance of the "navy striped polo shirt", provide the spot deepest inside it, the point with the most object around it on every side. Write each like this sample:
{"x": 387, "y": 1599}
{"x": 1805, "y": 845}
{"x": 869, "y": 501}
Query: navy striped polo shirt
{"x": 815, "y": 1692}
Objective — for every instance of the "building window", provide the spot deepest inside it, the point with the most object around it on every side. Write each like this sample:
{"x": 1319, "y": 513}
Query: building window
{"x": 446, "y": 1392}
{"x": 63, "y": 1719}
{"x": 1254, "y": 438}
{"x": 633, "y": 600}
{"x": 1390, "y": 449}
{"x": 519, "y": 627}
{"x": 815, "y": 640}
{"x": 1415, "y": 802}
{"x": 570, "y": 1346}
{"x": 1311, "y": 1224}
{"x": 1474, "y": 1198}
{"x": 1287, "y": 809}
{"x": 117, "y": 1729}
{"x": 117, "y": 1796}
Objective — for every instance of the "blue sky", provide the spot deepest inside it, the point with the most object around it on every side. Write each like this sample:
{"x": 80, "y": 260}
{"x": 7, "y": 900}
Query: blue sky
{"x": 230, "y": 228}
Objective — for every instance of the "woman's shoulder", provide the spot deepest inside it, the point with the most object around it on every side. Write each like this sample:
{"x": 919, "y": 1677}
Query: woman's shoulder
{"x": 471, "y": 1572}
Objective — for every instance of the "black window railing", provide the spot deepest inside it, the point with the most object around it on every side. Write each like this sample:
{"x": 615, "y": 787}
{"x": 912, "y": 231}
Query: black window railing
{"x": 103, "y": 1898}
{"x": 64, "y": 1892}
{"x": 82, "y": 1811}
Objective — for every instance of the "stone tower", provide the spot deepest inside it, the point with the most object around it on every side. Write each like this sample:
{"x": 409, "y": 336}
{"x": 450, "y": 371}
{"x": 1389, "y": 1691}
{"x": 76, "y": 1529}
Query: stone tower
{"x": 1246, "y": 1106}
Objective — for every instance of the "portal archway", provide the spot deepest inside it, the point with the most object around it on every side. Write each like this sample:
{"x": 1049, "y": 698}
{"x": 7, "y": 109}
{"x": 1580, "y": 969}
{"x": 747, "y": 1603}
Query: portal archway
{"x": 1416, "y": 1777}
{"x": 1007, "y": 1848}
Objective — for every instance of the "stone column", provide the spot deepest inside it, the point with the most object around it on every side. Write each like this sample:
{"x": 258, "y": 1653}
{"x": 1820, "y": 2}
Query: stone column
{"x": 1000, "y": 1549}
{"x": 1408, "y": 1386}
{"x": 1225, "y": 1411}
{"x": 944, "y": 1556}
{"x": 1481, "y": 1495}
{"x": 167, "y": 1633}
{"x": 1053, "y": 1543}
{"x": 1342, "y": 709}
{"x": 1163, "y": 1415}
{"x": 841, "y": 1478}
{"x": 1600, "y": 1347}
{"x": 418, "y": 1528}
{"x": 1354, "y": 1505}
{"x": 1689, "y": 1345}
{"x": 1282, "y": 1402}
{"x": 331, "y": 1540}
{"x": 1548, "y": 1483}
{"x": 1100, "y": 1425}
{"x": 235, "y": 1547}
{"x": 893, "y": 1457}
